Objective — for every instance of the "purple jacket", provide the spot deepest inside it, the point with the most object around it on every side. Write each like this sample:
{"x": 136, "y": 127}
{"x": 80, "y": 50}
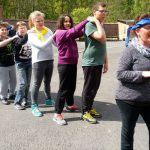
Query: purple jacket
{"x": 67, "y": 46}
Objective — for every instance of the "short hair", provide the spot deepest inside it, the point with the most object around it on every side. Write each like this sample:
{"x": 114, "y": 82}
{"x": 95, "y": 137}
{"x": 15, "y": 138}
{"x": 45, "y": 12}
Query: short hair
{"x": 33, "y": 15}
{"x": 61, "y": 19}
{"x": 20, "y": 23}
{"x": 97, "y": 4}
{"x": 4, "y": 24}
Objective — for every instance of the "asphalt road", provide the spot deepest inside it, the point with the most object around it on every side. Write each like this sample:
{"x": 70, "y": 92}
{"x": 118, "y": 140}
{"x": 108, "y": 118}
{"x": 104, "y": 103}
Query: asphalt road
{"x": 20, "y": 130}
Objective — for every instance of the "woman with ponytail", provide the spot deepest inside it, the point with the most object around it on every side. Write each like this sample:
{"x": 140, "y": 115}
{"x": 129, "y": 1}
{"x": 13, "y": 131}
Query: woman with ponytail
{"x": 40, "y": 38}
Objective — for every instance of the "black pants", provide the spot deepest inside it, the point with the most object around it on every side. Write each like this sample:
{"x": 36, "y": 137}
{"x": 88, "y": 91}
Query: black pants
{"x": 67, "y": 86}
{"x": 92, "y": 79}
{"x": 130, "y": 114}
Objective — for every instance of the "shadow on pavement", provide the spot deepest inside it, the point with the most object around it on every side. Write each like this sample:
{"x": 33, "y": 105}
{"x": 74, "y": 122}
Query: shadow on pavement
{"x": 110, "y": 111}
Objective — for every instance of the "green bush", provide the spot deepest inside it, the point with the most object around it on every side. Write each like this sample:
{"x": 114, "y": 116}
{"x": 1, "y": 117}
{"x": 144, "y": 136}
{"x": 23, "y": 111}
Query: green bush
{"x": 80, "y": 14}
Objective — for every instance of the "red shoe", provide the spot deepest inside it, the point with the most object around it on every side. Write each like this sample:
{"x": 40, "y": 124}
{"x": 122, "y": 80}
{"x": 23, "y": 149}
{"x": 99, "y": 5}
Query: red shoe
{"x": 72, "y": 108}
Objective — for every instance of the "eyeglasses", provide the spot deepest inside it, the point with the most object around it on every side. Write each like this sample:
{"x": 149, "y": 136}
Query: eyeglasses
{"x": 103, "y": 11}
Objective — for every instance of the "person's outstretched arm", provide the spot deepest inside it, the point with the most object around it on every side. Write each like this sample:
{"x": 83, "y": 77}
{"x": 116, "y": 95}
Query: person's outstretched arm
{"x": 21, "y": 41}
{"x": 7, "y": 41}
{"x": 33, "y": 40}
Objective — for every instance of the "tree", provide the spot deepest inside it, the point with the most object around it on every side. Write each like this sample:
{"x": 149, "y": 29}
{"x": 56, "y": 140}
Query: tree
{"x": 118, "y": 9}
{"x": 79, "y": 14}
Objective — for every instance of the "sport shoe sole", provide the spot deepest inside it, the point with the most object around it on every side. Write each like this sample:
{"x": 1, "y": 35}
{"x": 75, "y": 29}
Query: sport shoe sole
{"x": 92, "y": 122}
{"x": 61, "y": 124}
{"x": 19, "y": 107}
{"x": 37, "y": 113}
{"x": 5, "y": 102}
{"x": 59, "y": 119}
{"x": 87, "y": 117}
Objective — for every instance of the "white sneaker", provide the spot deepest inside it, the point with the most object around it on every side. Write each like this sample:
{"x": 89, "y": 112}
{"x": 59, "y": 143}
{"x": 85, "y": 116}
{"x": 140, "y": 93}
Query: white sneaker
{"x": 58, "y": 118}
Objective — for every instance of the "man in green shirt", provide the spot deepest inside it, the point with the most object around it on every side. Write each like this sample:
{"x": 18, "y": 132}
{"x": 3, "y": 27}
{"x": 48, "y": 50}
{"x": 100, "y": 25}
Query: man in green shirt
{"x": 94, "y": 60}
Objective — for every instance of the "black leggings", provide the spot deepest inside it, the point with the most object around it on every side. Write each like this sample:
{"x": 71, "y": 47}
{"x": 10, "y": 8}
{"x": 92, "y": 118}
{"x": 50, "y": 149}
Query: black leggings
{"x": 67, "y": 86}
{"x": 130, "y": 114}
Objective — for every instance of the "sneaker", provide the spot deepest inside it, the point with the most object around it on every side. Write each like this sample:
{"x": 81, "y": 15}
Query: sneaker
{"x": 49, "y": 102}
{"x": 71, "y": 108}
{"x": 87, "y": 116}
{"x": 24, "y": 102}
{"x": 35, "y": 110}
{"x": 5, "y": 101}
{"x": 19, "y": 107}
{"x": 12, "y": 97}
{"x": 95, "y": 114}
{"x": 58, "y": 118}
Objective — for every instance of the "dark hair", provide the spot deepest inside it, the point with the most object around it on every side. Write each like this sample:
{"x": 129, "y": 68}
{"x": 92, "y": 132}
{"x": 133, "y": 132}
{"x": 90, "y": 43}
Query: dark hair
{"x": 140, "y": 17}
{"x": 4, "y": 24}
{"x": 60, "y": 21}
{"x": 97, "y": 4}
{"x": 137, "y": 19}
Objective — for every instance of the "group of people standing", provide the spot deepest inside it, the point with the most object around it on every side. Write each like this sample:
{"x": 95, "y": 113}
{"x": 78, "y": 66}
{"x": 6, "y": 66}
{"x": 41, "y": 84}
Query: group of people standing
{"x": 132, "y": 95}
{"x": 31, "y": 51}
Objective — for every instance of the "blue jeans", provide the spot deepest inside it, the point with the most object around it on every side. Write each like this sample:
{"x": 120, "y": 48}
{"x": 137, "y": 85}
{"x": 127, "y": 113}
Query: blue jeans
{"x": 24, "y": 77}
{"x": 130, "y": 114}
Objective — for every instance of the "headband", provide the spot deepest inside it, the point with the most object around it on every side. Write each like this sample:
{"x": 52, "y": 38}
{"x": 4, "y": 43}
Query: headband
{"x": 139, "y": 24}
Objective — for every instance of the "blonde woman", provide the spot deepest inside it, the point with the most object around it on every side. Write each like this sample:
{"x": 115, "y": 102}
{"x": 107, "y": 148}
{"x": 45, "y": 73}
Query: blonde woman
{"x": 40, "y": 38}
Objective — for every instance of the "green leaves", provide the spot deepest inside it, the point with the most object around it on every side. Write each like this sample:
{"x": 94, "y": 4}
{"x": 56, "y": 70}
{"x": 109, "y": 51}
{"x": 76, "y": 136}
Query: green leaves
{"x": 79, "y": 9}
{"x": 80, "y": 14}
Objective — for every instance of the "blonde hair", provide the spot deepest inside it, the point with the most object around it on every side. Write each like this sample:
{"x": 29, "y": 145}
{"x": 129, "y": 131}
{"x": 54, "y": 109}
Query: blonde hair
{"x": 33, "y": 15}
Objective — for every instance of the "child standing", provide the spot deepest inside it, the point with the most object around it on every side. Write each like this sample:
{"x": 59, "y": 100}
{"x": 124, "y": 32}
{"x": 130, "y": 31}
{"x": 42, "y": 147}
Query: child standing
{"x": 7, "y": 65}
{"x": 23, "y": 64}
{"x": 67, "y": 64}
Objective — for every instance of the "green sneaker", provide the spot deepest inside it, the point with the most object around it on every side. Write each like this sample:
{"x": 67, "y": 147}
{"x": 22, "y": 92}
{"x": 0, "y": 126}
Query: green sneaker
{"x": 35, "y": 110}
{"x": 49, "y": 102}
{"x": 87, "y": 116}
{"x": 95, "y": 114}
